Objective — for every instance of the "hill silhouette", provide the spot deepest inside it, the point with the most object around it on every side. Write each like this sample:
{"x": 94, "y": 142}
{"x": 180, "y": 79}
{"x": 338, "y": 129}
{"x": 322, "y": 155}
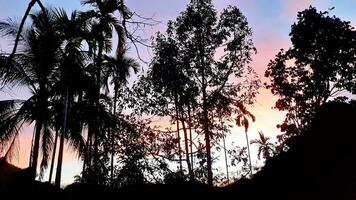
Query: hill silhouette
{"x": 320, "y": 164}
{"x": 6, "y": 170}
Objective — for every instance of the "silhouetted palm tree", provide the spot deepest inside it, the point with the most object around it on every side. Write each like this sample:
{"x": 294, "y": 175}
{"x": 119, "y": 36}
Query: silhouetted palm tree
{"x": 265, "y": 146}
{"x": 242, "y": 120}
{"x": 72, "y": 31}
{"x": 103, "y": 22}
{"x": 118, "y": 69}
{"x": 103, "y": 14}
{"x": 33, "y": 67}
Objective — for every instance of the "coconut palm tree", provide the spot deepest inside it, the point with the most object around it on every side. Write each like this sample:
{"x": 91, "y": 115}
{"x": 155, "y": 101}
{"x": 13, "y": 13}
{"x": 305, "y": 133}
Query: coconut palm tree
{"x": 33, "y": 68}
{"x": 242, "y": 120}
{"x": 266, "y": 148}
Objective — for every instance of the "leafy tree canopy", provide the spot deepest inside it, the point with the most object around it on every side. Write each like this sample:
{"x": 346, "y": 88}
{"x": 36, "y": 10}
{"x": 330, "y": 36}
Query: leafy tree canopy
{"x": 316, "y": 69}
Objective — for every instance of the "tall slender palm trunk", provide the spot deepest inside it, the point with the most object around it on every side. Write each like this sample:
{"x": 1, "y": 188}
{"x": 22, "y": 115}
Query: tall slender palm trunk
{"x": 85, "y": 159}
{"x": 113, "y": 139}
{"x": 97, "y": 103}
{"x": 88, "y": 147}
{"x": 35, "y": 150}
{"x": 57, "y": 182}
{"x": 226, "y": 163}
{"x": 87, "y": 154}
{"x": 249, "y": 153}
{"x": 53, "y": 156}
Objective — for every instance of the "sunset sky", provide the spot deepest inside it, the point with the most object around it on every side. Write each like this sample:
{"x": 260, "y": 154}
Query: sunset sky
{"x": 270, "y": 21}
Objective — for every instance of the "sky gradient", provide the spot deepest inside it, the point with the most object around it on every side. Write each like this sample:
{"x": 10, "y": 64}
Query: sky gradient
{"x": 270, "y": 21}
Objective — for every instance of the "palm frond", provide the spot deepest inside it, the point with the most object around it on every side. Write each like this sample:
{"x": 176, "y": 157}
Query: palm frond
{"x": 10, "y": 123}
{"x": 135, "y": 66}
{"x": 90, "y": 2}
{"x": 9, "y": 27}
{"x": 238, "y": 120}
{"x": 13, "y": 150}
{"x": 13, "y": 73}
{"x": 60, "y": 15}
{"x": 76, "y": 140}
{"x": 243, "y": 115}
{"x": 251, "y": 116}
{"x": 245, "y": 123}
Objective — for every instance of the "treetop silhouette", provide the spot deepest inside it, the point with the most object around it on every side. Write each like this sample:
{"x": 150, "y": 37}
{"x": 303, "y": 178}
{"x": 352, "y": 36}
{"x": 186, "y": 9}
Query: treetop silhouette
{"x": 316, "y": 69}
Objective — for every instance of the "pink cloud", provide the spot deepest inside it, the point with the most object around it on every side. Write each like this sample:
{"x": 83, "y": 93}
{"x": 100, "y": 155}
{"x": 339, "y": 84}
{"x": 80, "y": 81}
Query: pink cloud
{"x": 298, "y": 5}
{"x": 268, "y": 43}
{"x": 292, "y": 7}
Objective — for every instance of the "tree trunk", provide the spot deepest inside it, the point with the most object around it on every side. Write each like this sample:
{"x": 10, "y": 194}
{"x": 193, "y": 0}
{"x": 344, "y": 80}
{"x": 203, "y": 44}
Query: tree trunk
{"x": 191, "y": 174}
{"x": 206, "y": 126}
{"x": 36, "y": 146}
{"x": 113, "y": 139}
{"x": 207, "y": 140}
{"x": 178, "y": 135}
{"x": 201, "y": 46}
{"x": 57, "y": 182}
{"x": 87, "y": 154}
{"x": 18, "y": 35}
{"x": 96, "y": 134}
{"x": 226, "y": 163}
{"x": 191, "y": 137}
{"x": 249, "y": 154}
{"x": 53, "y": 157}
{"x": 23, "y": 20}
{"x": 88, "y": 151}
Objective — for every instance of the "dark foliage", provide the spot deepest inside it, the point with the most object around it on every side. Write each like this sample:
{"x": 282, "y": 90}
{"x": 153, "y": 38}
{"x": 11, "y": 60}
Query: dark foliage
{"x": 319, "y": 67}
{"x": 318, "y": 165}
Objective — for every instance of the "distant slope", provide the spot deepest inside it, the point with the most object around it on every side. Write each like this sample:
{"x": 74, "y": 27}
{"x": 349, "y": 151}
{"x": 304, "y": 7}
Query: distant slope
{"x": 321, "y": 164}
{"x": 6, "y": 171}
